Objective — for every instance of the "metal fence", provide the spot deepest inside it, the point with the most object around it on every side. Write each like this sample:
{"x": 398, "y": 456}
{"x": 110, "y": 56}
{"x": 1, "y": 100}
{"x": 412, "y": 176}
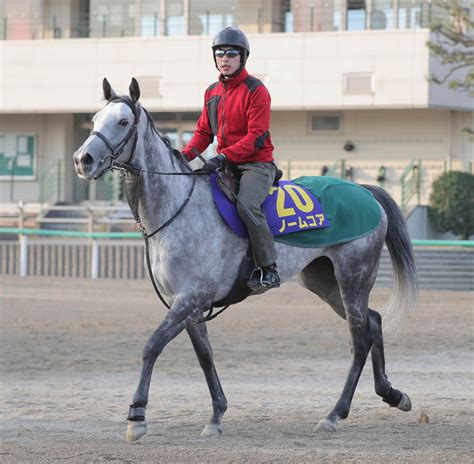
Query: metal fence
{"x": 72, "y": 254}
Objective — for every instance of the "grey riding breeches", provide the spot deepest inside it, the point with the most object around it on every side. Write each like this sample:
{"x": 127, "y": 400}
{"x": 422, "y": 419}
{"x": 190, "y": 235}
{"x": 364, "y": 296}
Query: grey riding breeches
{"x": 255, "y": 183}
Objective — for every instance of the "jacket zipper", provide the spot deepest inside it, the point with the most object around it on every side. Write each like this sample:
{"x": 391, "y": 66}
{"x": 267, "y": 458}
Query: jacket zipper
{"x": 222, "y": 118}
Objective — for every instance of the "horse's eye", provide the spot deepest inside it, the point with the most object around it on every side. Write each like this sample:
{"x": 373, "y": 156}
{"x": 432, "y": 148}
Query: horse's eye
{"x": 123, "y": 122}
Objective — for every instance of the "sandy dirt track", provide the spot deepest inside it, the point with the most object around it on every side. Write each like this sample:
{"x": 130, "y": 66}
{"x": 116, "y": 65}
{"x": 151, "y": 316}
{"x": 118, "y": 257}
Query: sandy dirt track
{"x": 71, "y": 356}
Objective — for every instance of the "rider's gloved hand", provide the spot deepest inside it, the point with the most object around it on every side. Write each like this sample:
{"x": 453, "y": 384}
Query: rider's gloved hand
{"x": 213, "y": 163}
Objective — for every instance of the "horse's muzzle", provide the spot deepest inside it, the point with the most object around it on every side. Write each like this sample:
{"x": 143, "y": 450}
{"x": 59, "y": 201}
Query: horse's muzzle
{"x": 83, "y": 164}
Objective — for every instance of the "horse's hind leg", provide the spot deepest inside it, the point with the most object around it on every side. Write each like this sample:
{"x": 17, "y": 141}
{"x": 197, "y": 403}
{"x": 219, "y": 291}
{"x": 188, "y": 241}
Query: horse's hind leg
{"x": 202, "y": 347}
{"x": 383, "y": 388}
{"x": 348, "y": 296}
{"x": 319, "y": 278}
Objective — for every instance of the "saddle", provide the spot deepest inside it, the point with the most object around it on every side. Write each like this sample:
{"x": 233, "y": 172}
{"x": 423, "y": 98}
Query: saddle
{"x": 228, "y": 180}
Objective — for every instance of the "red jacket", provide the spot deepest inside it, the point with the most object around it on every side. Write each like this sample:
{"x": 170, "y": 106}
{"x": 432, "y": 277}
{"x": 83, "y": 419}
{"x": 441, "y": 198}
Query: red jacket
{"x": 237, "y": 111}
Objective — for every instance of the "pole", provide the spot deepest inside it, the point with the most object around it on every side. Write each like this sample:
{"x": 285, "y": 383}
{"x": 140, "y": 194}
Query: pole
{"x": 95, "y": 259}
{"x": 23, "y": 255}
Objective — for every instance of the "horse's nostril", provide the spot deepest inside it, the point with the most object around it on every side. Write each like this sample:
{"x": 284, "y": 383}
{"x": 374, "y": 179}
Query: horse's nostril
{"x": 87, "y": 159}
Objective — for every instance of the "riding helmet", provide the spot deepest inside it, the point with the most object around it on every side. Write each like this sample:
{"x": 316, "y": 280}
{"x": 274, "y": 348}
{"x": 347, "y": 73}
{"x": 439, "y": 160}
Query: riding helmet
{"x": 233, "y": 37}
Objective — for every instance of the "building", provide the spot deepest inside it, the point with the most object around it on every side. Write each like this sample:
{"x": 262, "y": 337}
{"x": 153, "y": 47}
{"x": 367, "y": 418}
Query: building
{"x": 348, "y": 79}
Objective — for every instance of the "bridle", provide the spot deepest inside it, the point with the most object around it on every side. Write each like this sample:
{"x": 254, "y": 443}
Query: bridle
{"x": 117, "y": 150}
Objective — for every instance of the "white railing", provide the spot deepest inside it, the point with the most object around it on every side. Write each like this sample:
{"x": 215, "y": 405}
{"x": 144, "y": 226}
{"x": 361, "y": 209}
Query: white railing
{"x": 90, "y": 217}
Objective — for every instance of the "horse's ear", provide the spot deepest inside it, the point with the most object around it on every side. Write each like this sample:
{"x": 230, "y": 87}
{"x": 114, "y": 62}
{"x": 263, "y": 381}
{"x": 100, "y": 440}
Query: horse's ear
{"x": 109, "y": 92}
{"x": 134, "y": 90}
{"x": 107, "y": 89}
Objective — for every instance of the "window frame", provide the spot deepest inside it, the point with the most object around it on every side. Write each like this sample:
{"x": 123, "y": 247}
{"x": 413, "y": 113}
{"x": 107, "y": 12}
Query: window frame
{"x": 326, "y": 114}
{"x": 34, "y": 156}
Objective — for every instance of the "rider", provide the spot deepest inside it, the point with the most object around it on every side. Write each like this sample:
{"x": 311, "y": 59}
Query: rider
{"x": 237, "y": 110}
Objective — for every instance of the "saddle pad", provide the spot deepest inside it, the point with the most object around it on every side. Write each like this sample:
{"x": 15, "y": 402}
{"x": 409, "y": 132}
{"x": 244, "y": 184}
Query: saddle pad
{"x": 352, "y": 211}
{"x": 289, "y": 208}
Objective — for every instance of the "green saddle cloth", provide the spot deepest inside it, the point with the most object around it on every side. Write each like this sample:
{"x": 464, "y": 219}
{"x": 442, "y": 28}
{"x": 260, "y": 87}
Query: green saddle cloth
{"x": 351, "y": 210}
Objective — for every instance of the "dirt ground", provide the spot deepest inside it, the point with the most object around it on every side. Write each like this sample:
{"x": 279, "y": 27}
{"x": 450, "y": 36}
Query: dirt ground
{"x": 71, "y": 356}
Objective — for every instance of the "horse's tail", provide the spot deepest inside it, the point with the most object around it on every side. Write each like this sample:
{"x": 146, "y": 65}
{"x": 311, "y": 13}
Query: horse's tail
{"x": 405, "y": 282}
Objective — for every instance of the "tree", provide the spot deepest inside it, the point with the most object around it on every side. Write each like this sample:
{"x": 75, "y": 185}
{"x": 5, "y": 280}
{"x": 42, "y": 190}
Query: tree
{"x": 454, "y": 44}
{"x": 452, "y": 203}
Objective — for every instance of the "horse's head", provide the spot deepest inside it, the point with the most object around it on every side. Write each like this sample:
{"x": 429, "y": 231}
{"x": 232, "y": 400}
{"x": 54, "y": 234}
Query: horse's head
{"x": 114, "y": 136}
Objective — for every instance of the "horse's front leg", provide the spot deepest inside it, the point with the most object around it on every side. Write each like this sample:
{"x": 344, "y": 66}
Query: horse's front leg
{"x": 202, "y": 347}
{"x": 181, "y": 312}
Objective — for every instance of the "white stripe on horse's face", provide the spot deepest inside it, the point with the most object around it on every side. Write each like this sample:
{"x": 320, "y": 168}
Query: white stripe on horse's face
{"x": 109, "y": 121}
{"x": 114, "y": 121}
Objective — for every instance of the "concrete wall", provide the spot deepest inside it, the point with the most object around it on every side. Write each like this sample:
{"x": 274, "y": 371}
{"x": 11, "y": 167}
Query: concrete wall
{"x": 302, "y": 70}
{"x": 429, "y": 134}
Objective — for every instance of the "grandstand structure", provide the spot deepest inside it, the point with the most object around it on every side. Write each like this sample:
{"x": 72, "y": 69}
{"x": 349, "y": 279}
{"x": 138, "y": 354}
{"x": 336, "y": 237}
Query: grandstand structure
{"x": 349, "y": 81}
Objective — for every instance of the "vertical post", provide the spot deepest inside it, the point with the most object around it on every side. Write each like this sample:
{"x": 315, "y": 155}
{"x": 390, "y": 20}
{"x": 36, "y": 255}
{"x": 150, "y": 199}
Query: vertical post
{"x": 260, "y": 21}
{"x": 23, "y": 239}
{"x": 368, "y": 14}
{"x": 187, "y": 16}
{"x": 344, "y": 15}
{"x": 208, "y": 22}
{"x": 12, "y": 176}
{"x": 5, "y": 28}
{"x": 95, "y": 259}
{"x": 155, "y": 24}
{"x": 103, "y": 25}
{"x": 23, "y": 255}
{"x": 395, "y": 7}
{"x": 418, "y": 182}
{"x": 138, "y": 18}
{"x": 163, "y": 16}
{"x": 311, "y": 18}
{"x": 343, "y": 169}
{"x": 21, "y": 215}
{"x": 451, "y": 139}
{"x": 91, "y": 220}
{"x": 59, "y": 181}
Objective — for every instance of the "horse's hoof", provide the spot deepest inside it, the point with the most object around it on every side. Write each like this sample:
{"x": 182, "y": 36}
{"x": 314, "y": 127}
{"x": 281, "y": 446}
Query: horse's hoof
{"x": 405, "y": 403}
{"x": 325, "y": 425}
{"x": 211, "y": 430}
{"x": 135, "y": 430}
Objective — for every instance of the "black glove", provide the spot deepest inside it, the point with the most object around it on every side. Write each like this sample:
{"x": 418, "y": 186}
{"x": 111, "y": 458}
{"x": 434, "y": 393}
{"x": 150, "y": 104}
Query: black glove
{"x": 215, "y": 162}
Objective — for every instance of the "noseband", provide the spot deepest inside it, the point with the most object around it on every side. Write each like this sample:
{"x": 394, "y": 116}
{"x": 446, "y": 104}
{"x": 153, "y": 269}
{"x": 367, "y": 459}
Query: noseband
{"x": 117, "y": 150}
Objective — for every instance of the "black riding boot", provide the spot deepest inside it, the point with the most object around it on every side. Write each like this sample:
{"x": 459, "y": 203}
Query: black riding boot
{"x": 266, "y": 277}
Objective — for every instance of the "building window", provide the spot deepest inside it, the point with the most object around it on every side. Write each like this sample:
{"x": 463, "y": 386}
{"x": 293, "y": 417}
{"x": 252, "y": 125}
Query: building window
{"x": 381, "y": 16}
{"x": 175, "y": 20}
{"x": 325, "y": 123}
{"x": 356, "y": 15}
{"x": 17, "y": 156}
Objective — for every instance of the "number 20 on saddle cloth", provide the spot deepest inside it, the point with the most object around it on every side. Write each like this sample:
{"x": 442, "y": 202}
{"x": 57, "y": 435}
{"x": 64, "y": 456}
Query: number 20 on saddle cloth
{"x": 311, "y": 212}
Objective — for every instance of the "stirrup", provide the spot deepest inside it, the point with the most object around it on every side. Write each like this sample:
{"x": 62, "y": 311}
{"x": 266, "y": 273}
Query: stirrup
{"x": 253, "y": 282}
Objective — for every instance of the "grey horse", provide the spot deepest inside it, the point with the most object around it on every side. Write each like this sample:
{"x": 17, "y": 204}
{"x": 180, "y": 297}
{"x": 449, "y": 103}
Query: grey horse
{"x": 191, "y": 273}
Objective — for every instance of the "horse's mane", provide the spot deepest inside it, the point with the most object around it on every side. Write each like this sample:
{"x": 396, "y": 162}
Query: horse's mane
{"x": 176, "y": 154}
